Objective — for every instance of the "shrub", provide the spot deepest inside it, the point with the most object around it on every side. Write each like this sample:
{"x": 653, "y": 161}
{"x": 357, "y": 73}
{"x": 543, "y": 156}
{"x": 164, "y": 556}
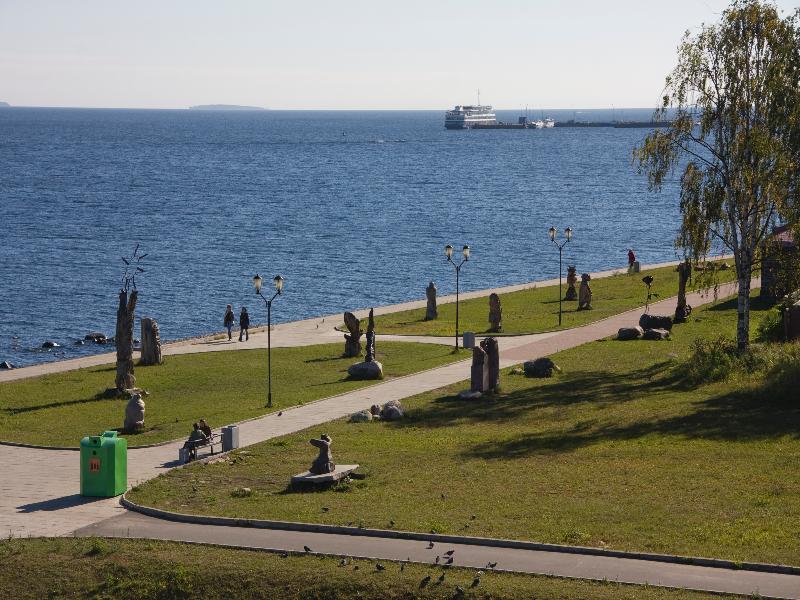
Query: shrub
{"x": 770, "y": 329}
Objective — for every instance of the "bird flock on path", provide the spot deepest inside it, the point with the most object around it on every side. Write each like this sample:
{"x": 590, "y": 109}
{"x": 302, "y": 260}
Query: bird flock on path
{"x": 438, "y": 561}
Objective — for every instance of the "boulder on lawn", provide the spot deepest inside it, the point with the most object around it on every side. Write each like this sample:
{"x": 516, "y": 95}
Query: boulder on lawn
{"x": 655, "y": 322}
{"x": 541, "y": 367}
{"x": 362, "y": 416}
{"x": 392, "y": 411}
{"x": 655, "y": 334}
{"x": 366, "y": 370}
{"x": 134, "y": 414}
{"x": 630, "y": 333}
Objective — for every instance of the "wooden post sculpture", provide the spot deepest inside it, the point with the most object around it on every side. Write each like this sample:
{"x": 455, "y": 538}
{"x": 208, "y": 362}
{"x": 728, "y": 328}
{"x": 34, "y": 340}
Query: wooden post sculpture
{"x": 492, "y": 349}
{"x": 683, "y": 310}
{"x": 370, "y": 352}
{"x": 585, "y": 294}
{"x": 151, "y": 343}
{"x": 430, "y": 293}
{"x": 125, "y": 379}
{"x": 479, "y": 372}
{"x": 572, "y": 279}
{"x": 352, "y": 341}
{"x": 495, "y": 314}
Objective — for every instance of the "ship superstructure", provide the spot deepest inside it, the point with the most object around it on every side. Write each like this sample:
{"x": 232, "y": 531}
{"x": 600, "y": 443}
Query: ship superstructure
{"x": 465, "y": 117}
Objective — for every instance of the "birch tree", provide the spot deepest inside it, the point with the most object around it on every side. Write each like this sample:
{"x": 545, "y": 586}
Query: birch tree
{"x": 734, "y": 98}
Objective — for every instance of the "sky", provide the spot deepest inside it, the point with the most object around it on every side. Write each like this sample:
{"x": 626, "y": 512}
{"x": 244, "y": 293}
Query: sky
{"x": 345, "y": 54}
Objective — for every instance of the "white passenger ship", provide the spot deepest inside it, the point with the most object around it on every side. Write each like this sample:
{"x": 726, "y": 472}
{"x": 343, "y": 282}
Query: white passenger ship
{"x": 464, "y": 117}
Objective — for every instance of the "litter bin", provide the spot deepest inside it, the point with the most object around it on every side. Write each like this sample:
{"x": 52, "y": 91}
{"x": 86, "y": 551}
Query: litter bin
{"x": 104, "y": 465}
{"x": 469, "y": 339}
{"x": 230, "y": 438}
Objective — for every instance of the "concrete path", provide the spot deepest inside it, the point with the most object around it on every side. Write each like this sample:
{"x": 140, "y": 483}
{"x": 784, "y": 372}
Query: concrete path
{"x": 560, "y": 564}
{"x": 318, "y": 330}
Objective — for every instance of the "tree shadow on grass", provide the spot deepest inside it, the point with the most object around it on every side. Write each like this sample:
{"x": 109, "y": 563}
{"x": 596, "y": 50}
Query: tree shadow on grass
{"x": 738, "y": 416}
{"x": 11, "y": 410}
{"x": 585, "y": 387}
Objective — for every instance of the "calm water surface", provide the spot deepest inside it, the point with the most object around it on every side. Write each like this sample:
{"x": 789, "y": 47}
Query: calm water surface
{"x": 353, "y": 208}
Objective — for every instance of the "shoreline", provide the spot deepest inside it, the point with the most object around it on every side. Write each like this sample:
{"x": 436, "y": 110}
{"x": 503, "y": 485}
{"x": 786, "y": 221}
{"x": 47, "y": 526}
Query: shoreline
{"x": 320, "y": 329}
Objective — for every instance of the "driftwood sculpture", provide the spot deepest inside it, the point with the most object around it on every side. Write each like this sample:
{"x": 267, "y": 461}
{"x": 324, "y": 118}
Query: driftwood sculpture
{"x": 352, "y": 341}
{"x": 126, "y": 312}
{"x": 370, "y": 352}
{"x": 151, "y": 343}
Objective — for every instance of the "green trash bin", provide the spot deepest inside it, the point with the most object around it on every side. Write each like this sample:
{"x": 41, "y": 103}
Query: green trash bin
{"x": 104, "y": 465}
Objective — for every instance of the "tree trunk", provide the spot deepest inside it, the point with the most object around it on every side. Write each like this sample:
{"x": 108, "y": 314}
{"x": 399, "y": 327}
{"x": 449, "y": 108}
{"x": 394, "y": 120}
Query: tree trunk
{"x": 124, "y": 340}
{"x": 744, "y": 266}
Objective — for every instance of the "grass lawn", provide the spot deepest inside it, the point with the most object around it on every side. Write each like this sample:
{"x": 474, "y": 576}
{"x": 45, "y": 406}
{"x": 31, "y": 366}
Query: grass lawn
{"x": 140, "y": 569}
{"x": 617, "y": 451}
{"x": 536, "y": 310}
{"x": 222, "y": 387}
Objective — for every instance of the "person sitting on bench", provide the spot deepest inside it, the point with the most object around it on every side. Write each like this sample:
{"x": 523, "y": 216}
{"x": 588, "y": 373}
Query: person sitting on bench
{"x": 205, "y": 428}
{"x": 196, "y": 438}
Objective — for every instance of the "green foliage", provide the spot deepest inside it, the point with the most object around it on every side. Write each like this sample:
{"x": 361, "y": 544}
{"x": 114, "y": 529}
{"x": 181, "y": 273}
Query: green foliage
{"x": 770, "y": 328}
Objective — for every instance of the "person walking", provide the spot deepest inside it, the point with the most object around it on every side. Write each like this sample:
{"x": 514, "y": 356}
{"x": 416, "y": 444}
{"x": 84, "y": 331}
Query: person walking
{"x": 244, "y": 324}
{"x": 229, "y": 320}
{"x": 631, "y": 260}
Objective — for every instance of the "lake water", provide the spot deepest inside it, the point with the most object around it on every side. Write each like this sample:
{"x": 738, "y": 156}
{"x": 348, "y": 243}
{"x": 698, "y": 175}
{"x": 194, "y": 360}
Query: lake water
{"x": 352, "y": 208}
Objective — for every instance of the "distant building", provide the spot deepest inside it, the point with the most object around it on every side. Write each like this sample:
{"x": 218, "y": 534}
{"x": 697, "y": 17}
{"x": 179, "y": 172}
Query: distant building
{"x": 780, "y": 258}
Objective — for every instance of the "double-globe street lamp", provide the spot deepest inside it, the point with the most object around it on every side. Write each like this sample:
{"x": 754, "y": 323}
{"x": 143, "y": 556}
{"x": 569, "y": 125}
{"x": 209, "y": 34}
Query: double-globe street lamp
{"x": 448, "y": 252}
{"x": 257, "y": 282}
{"x": 568, "y": 235}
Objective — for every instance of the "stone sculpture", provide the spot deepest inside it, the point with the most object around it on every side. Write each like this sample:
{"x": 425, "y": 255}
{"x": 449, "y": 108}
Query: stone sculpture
{"x": 479, "y": 372}
{"x": 683, "y": 310}
{"x": 324, "y": 462}
{"x": 495, "y": 314}
{"x": 151, "y": 343}
{"x": 352, "y": 341}
{"x": 572, "y": 279}
{"x": 492, "y": 350}
{"x": 585, "y": 294}
{"x": 370, "y": 353}
{"x": 134, "y": 414}
{"x": 430, "y": 293}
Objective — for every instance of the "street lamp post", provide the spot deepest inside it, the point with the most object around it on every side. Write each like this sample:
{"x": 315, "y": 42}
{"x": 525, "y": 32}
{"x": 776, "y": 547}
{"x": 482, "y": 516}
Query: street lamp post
{"x": 448, "y": 252}
{"x": 568, "y": 235}
{"x": 257, "y": 281}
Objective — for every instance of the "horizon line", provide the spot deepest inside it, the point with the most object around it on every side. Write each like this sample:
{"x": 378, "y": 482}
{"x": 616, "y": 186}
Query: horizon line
{"x": 251, "y": 108}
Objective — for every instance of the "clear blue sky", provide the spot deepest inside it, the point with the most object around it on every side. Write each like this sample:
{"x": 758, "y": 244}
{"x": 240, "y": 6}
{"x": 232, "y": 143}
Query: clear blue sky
{"x": 365, "y": 54}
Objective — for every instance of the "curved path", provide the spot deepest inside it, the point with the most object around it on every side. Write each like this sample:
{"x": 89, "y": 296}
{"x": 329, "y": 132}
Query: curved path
{"x": 39, "y": 488}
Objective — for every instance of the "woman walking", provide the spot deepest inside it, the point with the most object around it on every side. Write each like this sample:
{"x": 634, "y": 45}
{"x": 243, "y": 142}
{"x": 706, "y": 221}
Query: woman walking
{"x": 229, "y": 320}
{"x": 244, "y": 324}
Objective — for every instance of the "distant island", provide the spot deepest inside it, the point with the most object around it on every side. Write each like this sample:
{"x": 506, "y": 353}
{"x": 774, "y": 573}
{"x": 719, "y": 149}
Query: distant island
{"x": 224, "y": 107}
{"x": 4, "y": 105}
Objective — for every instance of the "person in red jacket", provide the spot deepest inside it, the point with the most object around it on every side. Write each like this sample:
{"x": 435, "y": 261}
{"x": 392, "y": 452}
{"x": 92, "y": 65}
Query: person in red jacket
{"x": 631, "y": 258}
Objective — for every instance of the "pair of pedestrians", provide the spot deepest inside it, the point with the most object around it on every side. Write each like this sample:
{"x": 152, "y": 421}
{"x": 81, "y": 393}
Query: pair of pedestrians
{"x": 244, "y": 323}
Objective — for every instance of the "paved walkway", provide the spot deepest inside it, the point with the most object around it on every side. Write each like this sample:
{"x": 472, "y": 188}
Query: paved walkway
{"x": 508, "y": 559}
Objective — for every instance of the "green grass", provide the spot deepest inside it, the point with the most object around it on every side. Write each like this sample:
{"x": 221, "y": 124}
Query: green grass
{"x": 222, "y": 387}
{"x": 618, "y": 451}
{"x": 536, "y": 310}
{"x": 140, "y": 569}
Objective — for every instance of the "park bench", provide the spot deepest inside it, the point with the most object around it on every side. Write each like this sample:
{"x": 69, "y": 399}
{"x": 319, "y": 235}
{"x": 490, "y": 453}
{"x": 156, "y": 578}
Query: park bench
{"x": 188, "y": 452}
